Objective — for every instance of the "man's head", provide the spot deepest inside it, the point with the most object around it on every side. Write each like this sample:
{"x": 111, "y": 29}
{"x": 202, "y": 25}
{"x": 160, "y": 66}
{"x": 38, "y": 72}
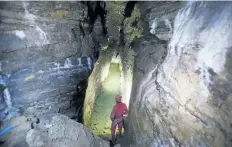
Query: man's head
{"x": 118, "y": 98}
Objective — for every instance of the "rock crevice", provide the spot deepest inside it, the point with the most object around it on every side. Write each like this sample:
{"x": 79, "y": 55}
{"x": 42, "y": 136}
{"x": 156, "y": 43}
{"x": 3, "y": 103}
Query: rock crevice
{"x": 175, "y": 94}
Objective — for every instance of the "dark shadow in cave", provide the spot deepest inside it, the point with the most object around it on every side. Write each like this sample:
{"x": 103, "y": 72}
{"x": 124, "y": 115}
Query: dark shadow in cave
{"x": 121, "y": 36}
{"x": 82, "y": 32}
{"x": 130, "y": 5}
{"x": 94, "y": 13}
{"x": 78, "y": 100}
{"x": 96, "y": 55}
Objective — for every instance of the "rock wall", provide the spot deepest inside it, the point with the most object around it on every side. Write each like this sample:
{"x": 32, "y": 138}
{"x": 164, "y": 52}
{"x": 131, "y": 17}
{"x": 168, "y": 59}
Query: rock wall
{"x": 98, "y": 75}
{"x": 126, "y": 66}
{"x": 181, "y": 93}
{"x": 44, "y": 54}
{"x": 149, "y": 53}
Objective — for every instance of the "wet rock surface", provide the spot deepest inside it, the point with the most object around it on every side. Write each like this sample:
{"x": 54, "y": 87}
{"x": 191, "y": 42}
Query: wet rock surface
{"x": 98, "y": 75}
{"x": 44, "y": 55}
{"x": 175, "y": 76}
{"x": 181, "y": 92}
{"x": 53, "y": 130}
{"x": 100, "y": 122}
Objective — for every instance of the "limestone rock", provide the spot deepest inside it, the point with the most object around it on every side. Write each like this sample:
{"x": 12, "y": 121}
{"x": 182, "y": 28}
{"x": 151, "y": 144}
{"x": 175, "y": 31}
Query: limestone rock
{"x": 64, "y": 132}
{"x": 117, "y": 145}
{"x": 37, "y": 138}
{"x": 43, "y": 54}
{"x": 95, "y": 80}
{"x": 17, "y": 134}
{"x": 181, "y": 93}
{"x": 58, "y": 131}
{"x": 160, "y": 17}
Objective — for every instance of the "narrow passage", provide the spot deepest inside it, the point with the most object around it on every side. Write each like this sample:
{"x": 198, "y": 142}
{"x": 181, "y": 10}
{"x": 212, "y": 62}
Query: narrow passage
{"x": 100, "y": 122}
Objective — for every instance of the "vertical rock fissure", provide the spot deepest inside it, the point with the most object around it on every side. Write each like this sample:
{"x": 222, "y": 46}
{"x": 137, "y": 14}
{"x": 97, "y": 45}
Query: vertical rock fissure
{"x": 96, "y": 9}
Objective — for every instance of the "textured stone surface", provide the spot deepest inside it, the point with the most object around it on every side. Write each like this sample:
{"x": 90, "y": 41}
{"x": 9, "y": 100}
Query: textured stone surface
{"x": 159, "y": 17}
{"x": 54, "y": 130}
{"x": 98, "y": 75}
{"x": 100, "y": 122}
{"x": 16, "y": 136}
{"x": 37, "y": 138}
{"x": 181, "y": 93}
{"x": 127, "y": 68}
{"x": 181, "y": 87}
{"x": 65, "y": 132}
{"x": 43, "y": 54}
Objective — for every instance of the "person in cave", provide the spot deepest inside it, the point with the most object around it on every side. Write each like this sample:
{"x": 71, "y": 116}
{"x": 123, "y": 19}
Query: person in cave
{"x": 93, "y": 14}
{"x": 116, "y": 116}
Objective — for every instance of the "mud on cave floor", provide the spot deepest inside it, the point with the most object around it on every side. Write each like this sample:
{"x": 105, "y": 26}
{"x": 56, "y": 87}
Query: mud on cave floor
{"x": 100, "y": 122}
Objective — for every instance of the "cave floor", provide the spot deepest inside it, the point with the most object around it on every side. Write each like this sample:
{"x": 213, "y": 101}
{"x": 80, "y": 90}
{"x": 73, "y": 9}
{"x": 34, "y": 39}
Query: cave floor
{"x": 100, "y": 122}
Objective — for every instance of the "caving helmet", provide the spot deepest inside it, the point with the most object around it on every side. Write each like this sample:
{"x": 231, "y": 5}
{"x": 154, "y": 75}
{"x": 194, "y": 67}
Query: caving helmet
{"x": 118, "y": 98}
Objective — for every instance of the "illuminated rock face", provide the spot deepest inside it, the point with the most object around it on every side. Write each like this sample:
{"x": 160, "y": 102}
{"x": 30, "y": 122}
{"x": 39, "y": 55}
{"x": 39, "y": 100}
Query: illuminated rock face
{"x": 43, "y": 55}
{"x": 181, "y": 87}
{"x": 95, "y": 80}
{"x": 181, "y": 93}
{"x": 100, "y": 122}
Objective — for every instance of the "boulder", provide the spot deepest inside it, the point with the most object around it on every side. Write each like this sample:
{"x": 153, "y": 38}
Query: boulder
{"x": 64, "y": 132}
{"x": 53, "y": 130}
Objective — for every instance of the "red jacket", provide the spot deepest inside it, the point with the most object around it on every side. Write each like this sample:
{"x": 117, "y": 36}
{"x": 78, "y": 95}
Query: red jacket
{"x": 118, "y": 111}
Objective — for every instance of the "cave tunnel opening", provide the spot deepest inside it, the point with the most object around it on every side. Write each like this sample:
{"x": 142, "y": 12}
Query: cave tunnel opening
{"x": 99, "y": 121}
{"x": 100, "y": 118}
